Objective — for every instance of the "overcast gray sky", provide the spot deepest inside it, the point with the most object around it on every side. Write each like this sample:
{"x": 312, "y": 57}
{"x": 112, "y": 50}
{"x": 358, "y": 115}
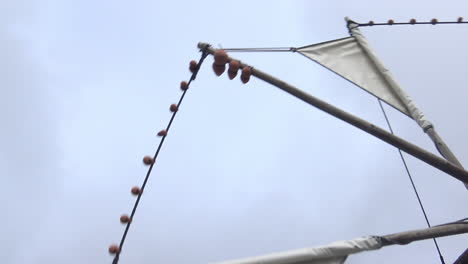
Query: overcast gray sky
{"x": 246, "y": 169}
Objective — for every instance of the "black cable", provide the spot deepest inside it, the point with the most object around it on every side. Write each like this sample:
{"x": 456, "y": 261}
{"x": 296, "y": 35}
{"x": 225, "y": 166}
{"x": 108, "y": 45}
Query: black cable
{"x": 292, "y": 49}
{"x": 273, "y": 49}
{"x": 370, "y": 24}
{"x": 461, "y": 221}
{"x": 409, "y": 23}
{"x": 412, "y": 184}
{"x": 127, "y": 227}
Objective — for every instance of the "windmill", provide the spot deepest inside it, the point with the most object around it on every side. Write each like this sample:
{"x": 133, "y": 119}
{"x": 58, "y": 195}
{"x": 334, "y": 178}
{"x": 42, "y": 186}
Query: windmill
{"x": 353, "y": 59}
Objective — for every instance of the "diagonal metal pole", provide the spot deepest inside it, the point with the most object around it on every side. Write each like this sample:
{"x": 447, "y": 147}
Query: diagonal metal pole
{"x": 407, "y": 237}
{"x": 337, "y": 252}
{"x": 370, "y": 128}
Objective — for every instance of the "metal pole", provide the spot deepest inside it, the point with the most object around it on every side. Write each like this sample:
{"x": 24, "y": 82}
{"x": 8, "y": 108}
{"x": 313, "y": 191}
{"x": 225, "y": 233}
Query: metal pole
{"x": 372, "y": 129}
{"x": 443, "y": 149}
{"x": 338, "y": 252}
{"x": 407, "y": 237}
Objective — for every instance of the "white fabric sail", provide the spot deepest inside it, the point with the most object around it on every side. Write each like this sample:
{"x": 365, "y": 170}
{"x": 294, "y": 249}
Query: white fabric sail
{"x": 335, "y": 253}
{"x": 352, "y": 59}
{"x": 346, "y": 58}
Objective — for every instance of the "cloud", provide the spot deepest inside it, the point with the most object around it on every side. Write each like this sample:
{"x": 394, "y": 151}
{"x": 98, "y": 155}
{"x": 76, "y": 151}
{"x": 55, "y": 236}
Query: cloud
{"x": 28, "y": 152}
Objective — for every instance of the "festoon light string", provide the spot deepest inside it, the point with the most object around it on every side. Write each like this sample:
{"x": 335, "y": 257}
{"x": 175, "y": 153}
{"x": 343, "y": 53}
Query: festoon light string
{"x": 219, "y": 66}
{"x": 150, "y": 161}
{"x": 412, "y": 21}
{"x": 390, "y": 22}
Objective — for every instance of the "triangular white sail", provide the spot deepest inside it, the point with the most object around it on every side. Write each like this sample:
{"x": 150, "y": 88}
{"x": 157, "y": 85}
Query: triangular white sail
{"x": 346, "y": 58}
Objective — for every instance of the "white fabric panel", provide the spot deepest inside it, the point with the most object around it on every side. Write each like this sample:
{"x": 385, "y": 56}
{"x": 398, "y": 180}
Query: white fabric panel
{"x": 346, "y": 58}
{"x": 414, "y": 112}
{"x": 335, "y": 253}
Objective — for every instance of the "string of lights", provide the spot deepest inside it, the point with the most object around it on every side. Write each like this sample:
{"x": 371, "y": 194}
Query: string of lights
{"x": 150, "y": 161}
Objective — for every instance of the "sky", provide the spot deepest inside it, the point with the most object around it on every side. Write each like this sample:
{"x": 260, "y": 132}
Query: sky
{"x": 247, "y": 169}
